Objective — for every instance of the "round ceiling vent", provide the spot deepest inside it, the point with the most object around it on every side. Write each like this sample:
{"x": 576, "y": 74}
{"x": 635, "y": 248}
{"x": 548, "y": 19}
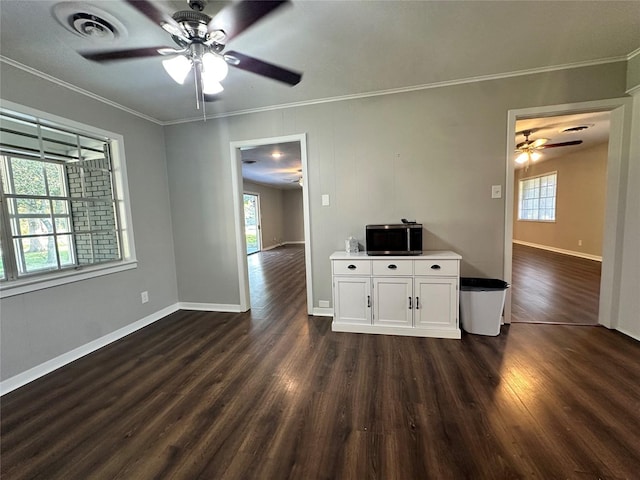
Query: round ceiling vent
{"x": 89, "y": 21}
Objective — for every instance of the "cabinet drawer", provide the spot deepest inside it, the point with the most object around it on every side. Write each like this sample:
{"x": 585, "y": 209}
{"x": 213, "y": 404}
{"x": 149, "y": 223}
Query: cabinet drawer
{"x": 352, "y": 267}
{"x": 392, "y": 267}
{"x": 436, "y": 267}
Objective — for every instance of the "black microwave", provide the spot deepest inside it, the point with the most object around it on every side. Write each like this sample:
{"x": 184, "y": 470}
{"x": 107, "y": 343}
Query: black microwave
{"x": 394, "y": 239}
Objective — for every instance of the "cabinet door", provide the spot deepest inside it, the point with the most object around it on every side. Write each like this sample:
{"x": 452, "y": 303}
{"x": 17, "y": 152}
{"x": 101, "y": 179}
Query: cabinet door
{"x": 436, "y": 302}
{"x": 352, "y": 300}
{"x": 393, "y": 301}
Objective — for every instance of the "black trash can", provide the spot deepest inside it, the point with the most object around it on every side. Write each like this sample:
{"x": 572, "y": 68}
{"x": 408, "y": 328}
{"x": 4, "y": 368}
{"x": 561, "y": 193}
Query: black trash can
{"x": 481, "y": 305}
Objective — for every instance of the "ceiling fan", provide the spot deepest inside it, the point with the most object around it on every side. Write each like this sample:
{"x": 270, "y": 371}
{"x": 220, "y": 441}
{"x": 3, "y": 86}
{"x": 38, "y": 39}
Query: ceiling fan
{"x": 529, "y": 149}
{"x": 201, "y": 42}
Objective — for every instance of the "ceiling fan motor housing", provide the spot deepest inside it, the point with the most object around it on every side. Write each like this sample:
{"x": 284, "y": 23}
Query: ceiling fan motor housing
{"x": 193, "y": 23}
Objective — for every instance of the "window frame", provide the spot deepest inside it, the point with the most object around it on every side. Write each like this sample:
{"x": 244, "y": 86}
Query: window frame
{"x": 121, "y": 202}
{"x": 538, "y": 197}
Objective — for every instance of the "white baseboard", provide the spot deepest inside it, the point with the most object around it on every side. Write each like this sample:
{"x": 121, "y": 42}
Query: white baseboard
{"x": 210, "y": 307}
{"x": 49, "y": 366}
{"x": 322, "y": 312}
{"x": 588, "y": 256}
{"x": 271, "y": 247}
{"x": 629, "y": 334}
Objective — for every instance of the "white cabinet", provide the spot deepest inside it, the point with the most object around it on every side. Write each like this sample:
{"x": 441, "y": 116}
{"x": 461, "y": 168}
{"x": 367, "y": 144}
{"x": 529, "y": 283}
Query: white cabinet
{"x": 392, "y": 299}
{"x": 436, "y": 303}
{"x": 352, "y": 298}
{"x": 396, "y": 295}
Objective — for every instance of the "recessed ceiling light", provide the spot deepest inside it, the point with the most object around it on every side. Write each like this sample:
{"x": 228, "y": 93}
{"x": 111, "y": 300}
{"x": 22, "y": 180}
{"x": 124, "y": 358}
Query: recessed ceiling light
{"x": 276, "y": 154}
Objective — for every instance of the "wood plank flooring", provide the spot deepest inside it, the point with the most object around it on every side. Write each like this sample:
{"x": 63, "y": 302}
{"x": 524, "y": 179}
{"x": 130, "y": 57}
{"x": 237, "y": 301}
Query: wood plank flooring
{"x": 549, "y": 287}
{"x": 274, "y": 394}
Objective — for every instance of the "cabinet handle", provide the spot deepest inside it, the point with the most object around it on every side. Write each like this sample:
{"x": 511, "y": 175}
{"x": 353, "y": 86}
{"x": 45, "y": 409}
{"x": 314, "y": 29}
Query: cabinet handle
{"x": 392, "y": 266}
{"x": 353, "y": 267}
{"x": 417, "y": 303}
{"x": 409, "y": 303}
{"x": 368, "y": 301}
{"x": 435, "y": 267}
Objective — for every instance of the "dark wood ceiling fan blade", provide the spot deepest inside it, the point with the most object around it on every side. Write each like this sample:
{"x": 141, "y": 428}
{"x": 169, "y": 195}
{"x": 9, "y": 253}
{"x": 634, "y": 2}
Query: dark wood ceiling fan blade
{"x": 562, "y": 144}
{"x": 259, "y": 67}
{"x": 157, "y": 16}
{"x": 211, "y": 98}
{"x": 113, "y": 55}
{"x": 237, "y": 17}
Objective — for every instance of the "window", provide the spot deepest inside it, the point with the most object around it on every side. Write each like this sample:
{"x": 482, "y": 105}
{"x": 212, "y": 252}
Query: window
{"x": 60, "y": 208}
{"x": 538, "y": 198}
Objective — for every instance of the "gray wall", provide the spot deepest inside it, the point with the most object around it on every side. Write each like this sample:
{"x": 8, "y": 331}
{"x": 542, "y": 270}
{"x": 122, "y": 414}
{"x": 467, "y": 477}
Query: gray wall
{"x": 281, "y": 214}
{"x": 430, "y": 155}
{"x": 633, "y": 73}
{"x": 42, "y": 325}
{"x": 271, "y": 213}
{"x": 293, "y": 215}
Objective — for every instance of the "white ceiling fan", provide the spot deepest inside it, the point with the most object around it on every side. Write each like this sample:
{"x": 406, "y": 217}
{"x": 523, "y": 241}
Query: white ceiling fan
{"x": 201, "y": 42}
{"x": 529, "y": 151}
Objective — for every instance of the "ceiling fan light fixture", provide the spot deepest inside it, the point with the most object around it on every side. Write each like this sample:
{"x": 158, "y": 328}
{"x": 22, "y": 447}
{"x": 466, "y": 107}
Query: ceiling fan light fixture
{"x": 210, "y": 86}
{"x": 214, "y": 66}
{"x": 522, "y": 158}
{"x": 535, "y": 156}
{"x": 178, "y": 68}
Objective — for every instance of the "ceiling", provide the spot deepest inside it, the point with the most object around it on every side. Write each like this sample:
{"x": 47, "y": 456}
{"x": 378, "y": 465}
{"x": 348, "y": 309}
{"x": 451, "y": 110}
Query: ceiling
{"x": 551, "y": 128}
{"x": 344, "y": 48}
{"x": 277, "y": 165}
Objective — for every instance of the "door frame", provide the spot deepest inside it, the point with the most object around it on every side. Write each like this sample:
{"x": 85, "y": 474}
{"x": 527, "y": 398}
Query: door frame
{"x": 617, "y": 168}
{"x": 258, "y": 218}
{"x": 241, "y": 246}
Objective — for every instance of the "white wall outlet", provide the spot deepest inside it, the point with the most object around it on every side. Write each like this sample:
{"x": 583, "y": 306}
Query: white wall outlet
{"x": 144, "y": 297}
{"x": 325, "y": 199}
{"x": 496, "y": 191}
{"x": 579, "y": 243}
{"x": 323, "y": 303}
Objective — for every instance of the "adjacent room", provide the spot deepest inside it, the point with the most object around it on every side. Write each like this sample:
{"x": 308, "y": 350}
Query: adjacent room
{"x": 559, "y": 217}
{"x": 187, "y": 289}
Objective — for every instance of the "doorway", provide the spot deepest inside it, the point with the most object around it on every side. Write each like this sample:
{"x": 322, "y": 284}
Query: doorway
{"x": 617, "y": 164}
{"x": 236, "y": 149}
{"x": 251, "y": 203}
{"x": 559, "y": 199}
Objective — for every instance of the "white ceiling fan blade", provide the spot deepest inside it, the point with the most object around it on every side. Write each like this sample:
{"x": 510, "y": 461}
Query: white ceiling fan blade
{"x": 539, "y": 142}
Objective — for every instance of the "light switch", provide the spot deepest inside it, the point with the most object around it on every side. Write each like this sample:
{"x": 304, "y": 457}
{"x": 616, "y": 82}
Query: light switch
{"x": 496, "y": 191}
{"x": 325, "y": 200}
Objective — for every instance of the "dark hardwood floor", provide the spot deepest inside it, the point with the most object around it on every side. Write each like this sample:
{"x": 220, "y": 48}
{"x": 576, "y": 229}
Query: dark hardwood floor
{"x": 549, "y": 287}
{"x": 274, "y": 394}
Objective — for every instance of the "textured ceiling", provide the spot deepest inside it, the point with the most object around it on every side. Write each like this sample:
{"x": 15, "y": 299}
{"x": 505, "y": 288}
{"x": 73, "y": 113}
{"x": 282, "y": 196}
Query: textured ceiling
{"x": 343, "y": 47}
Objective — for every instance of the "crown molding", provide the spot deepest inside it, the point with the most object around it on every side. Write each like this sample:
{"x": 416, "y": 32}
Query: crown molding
{"x": 75, "y": 88}
{"x": 635, "y": 53}
{"x": 447, "y": 83}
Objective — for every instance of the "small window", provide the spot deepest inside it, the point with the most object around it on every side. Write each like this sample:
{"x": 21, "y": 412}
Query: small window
{"x": 538, "y": 198}
{"x": 60, "y": 210}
